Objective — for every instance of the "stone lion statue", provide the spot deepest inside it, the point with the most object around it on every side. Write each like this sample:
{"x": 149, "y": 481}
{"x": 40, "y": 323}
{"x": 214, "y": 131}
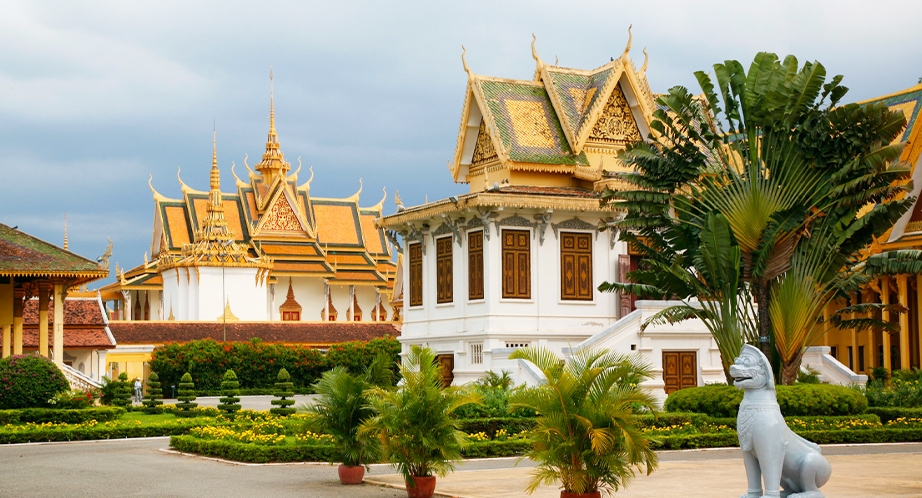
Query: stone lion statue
{"x": 771, "y": 451}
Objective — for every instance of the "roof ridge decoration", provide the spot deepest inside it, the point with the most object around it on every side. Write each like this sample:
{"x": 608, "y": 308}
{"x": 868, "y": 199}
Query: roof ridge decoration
{"x": 280, "y": 214}
{"x": 273, "y": 160}
{"x": 539, "y": 64}
{"x": 237, "y": 181}
{"x": 182, "y": 185}
{"x": 306, "y": 186}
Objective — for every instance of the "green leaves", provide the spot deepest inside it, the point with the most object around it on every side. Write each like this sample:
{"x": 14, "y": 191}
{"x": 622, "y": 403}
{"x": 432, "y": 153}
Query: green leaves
{"x": 586, "y": 437}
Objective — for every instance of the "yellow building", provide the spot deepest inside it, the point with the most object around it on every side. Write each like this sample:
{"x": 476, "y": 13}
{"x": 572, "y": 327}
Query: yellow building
{"x": 862, "y": 351}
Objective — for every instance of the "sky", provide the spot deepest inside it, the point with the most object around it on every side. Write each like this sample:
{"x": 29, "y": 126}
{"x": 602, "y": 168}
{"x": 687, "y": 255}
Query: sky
{"x": 98, "y": 97}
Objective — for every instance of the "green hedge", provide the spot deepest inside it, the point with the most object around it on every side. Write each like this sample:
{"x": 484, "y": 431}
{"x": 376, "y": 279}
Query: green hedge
{"x": 85, "y": 433}
{"x": 493, "y": 449}
{"x": 252, "y": 453}
{"x": 489, "y": 426}
{"x": 882, "y": 435}
{"x": 257, "y": 363}
{"x": 29, "y": 381}
{"x": 798, "y": 399}
{"x": 58, "y": 416}
{"x": 888, "y": 413}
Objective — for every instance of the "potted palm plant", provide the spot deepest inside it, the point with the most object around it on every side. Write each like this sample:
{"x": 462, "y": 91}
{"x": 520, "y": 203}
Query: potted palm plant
{"x": 586, "y": 437}
{"x": 414, "y": 424}
{"x": 339, "y": 410}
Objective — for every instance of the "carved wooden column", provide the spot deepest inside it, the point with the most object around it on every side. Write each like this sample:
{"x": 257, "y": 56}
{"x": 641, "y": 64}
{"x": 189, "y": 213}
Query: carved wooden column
{"x": 885, "y": 316}
{"x": 43, "y": 318}
{"x": 60, "y": 292}
{"x": 903, "y": 292}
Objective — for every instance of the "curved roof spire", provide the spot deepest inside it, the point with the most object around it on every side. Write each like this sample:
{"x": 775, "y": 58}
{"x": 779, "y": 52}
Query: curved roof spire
{"x": 467, "y": 68}
{"x": 273, "y": 162}
{"x": 630, "y": 38}
{"x": 646, "y": 60}
{"x": 539, "y": 64}
{"x": 65, "y": 231}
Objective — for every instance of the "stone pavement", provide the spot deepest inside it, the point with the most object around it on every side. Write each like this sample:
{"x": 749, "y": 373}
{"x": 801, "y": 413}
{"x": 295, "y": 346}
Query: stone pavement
{"x": 146, "y": 468}
{"x": 858, "y": 471}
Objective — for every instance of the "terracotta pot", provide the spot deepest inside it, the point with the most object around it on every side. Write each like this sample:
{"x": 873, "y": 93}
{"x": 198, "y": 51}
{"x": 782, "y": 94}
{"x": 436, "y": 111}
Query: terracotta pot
{"x": 349, "y": 474}
{"x": 425, "y": 487}
{"x": 567, "y": 494}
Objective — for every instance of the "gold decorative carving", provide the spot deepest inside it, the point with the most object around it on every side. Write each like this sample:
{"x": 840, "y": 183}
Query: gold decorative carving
{"x": 484, "y": 150}
{"x": 913, "y": 226}
{"x": 281, "y": 217}
{"x": 616, "y": 124}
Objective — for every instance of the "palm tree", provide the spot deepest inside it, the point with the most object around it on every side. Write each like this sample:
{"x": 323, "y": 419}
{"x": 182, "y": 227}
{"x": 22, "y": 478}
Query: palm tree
{"x": 585, "y": 435}
{"x": 342, "y": 405}
{"x": 773, "y": 154}
{"x": 414, "y": 423}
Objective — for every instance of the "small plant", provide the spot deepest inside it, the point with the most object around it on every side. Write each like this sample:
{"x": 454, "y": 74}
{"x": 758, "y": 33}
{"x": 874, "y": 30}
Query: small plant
{"x": 343, "y": 405}
{"x": 586, "y": 437}
{"x": 283, "y": 392}
{"x": 230, "y": 403}
{"x": 29, "y": 381}
{"x": 75, "y": 399}
{"x": 122, "y": 395}
{"x": 808, "y": 375}
{"x": 186, "y": 397}
{"x": 415, "y": 423}
{"x": 154, "y": 397}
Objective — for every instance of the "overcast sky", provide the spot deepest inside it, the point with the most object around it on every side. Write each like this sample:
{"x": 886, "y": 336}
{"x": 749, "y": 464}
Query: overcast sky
{"x": 95, "y": 97}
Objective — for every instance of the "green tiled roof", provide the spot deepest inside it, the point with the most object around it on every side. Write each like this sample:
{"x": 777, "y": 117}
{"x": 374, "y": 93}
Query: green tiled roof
{"x": 528, "y": 127}
{"x": 24, "y": 255}
{"x": 574, "y": 112}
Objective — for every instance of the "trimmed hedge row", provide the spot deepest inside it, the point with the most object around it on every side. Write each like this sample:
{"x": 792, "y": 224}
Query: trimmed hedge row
{"x": 889, "y": 413}
{"x": 257, "y": 363}
{"x": 796, "y": 400}
{"x": 84, "y": 433}
{"x": 59, "y": 416}
{"x": 254, "y": 453}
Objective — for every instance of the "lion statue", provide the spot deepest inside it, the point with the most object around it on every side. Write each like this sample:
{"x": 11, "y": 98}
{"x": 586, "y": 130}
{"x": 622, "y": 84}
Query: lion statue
{"x": 771, "y": 451}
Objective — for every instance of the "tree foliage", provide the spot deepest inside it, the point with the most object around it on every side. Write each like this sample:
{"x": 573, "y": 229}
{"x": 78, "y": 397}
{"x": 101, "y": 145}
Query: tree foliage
{"x": 29, "y": 381}
{"x": 154, "y": 397}
{"x": 586, "y": 437}
{"x": 766, "y": 188}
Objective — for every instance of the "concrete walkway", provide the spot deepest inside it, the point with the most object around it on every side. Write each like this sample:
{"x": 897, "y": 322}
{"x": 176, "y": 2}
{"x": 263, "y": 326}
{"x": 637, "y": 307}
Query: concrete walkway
{"x": 858, "y": 471}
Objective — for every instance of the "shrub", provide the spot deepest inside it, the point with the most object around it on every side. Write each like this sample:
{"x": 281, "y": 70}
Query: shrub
{"x": 282, "y": 406}
{"x": 122, "y": 391}
{"x": 186, "y": 397}
{"x": 58, "y": 416}
{"x": 889, "y": 413}
{"x": 808, "y": 375}
{"x": 903, "y": 391}
{"x": 230, "y": 403}
{"x": 75, "y": 399}
{"x": 713, "y": 400}
{"x": 154, "y": 397}
{"x": 28, "y": 381}
{"x": 256, "y": 362}
{"x": 799, "y": 399}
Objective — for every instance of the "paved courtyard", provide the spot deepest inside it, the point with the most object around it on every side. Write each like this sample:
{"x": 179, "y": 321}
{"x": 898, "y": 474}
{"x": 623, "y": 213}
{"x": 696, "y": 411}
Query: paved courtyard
{"x": 144, "y": 467}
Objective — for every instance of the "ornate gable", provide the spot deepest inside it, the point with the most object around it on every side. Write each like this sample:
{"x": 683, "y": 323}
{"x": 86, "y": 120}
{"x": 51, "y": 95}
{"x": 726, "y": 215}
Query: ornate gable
{"x": 616, "y": 124}
{"x": 281, "y": 216}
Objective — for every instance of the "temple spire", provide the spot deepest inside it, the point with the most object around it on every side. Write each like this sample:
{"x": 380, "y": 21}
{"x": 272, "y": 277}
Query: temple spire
{"x": 65, "y": 231}
{"x": 273, "y": 162}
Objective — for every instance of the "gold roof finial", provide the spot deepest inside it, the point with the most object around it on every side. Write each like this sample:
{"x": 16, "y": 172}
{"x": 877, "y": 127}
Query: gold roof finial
{"x": 539, "y": 64}
{"x": 271, "y": 105}
{"x": 646, "y": 60}
{"x": 215, "y": 173}
{"x": 464, "y": 61}
{"x": 65, "y": 231}
{"x": 273, "y": 161}
{"x": 630, "y": 37}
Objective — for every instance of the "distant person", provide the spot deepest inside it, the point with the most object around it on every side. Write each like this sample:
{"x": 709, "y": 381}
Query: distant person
{"x": 137, "y": 390}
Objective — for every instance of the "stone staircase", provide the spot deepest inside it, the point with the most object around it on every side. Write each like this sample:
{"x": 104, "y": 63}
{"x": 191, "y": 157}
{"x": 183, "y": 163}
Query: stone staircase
{"x": 79, "y": 380}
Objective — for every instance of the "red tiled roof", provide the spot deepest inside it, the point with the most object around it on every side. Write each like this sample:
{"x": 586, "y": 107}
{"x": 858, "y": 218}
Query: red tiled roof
{"x": 159, "y": 332}
{"x": 76, "y": 312}
{"x": 74, "y": 338}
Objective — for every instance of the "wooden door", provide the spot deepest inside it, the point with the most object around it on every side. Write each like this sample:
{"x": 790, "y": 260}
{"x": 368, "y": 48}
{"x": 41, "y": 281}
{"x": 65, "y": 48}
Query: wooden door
{"x": 447, "y": 365}
{"x": 680, "y": 370}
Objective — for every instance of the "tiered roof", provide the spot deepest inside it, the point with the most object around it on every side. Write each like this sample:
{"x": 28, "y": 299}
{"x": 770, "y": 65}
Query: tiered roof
{"x": 84, "y": 325}
{"x": 565, "y": 122}
{"x": 271, "y": 222}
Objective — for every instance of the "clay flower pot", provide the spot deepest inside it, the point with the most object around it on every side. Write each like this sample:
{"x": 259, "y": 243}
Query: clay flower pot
{"x": 425, "y": 487}
{"x": 349, "y": 474}
{"x": 567, "y": 494}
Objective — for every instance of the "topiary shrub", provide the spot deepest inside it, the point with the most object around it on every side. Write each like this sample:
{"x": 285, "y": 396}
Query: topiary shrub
{"x": 283, "y": 392}
{"x": 186, "y": 397}
{"x": 29, "y": 381}
{"x": 230, "y": 403}
{"x": 122, "y": 394}
{"x": 796, "y": 400}
{"x": 154, "y": 397}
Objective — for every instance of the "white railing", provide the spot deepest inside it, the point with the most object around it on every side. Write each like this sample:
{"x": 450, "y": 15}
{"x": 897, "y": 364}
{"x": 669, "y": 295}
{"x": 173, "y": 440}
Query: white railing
{"x": 79, "y": 380}
{"x": 831, "y": 370}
